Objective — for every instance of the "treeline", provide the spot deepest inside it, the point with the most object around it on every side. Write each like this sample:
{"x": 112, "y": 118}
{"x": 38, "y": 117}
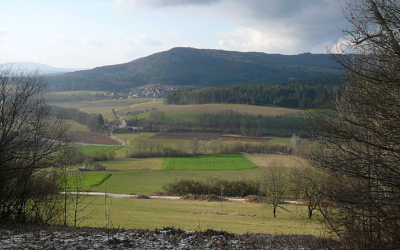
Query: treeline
{"x": 95, "y": 122}
{"x": 150, "y": 149}
{"x": 293, "y": 94}
{"x": 228, "y": 122}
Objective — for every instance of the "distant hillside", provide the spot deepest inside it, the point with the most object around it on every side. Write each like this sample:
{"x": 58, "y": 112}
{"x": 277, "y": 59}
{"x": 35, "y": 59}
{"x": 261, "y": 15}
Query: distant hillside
{"x": 200, "y": 68}
{"x": 43, "y": 68}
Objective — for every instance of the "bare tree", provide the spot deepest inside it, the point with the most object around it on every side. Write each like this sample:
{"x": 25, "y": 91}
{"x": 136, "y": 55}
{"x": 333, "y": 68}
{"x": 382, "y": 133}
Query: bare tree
{"x": 310, "y": 184}
{"x": 30, "y": 138}
{"x": 275, "y": 185}
{"x": 78, "y": 201}
{"x": 194, "y": 146}
{"x": 360, "y": 132}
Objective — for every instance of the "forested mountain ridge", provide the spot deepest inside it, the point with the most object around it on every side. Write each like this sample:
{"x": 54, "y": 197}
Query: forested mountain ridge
{"x": 198, "y": 67}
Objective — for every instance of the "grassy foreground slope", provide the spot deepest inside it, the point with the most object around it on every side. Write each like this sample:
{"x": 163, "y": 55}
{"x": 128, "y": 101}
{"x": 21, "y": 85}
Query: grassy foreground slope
{"x": 236, "y": 217}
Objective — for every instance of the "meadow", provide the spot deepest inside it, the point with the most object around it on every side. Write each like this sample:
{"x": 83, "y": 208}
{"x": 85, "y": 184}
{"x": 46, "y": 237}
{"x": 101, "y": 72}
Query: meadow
{"x": 85, "y": 181}
{"x": 209, "y": 162}
{"x": 240, "y": 218}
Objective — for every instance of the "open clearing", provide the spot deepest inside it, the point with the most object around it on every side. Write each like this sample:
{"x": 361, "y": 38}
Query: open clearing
{"x": 205, "y": 137}
{"x": 209, "y": 162}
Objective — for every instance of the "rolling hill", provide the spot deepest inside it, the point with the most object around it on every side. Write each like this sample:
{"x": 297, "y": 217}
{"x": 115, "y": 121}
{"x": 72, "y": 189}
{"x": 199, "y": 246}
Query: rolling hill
{"x": 198, "y": 67}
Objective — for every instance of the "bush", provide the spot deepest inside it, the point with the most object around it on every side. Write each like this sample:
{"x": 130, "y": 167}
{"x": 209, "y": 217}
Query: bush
{"x": 230, "y": 188}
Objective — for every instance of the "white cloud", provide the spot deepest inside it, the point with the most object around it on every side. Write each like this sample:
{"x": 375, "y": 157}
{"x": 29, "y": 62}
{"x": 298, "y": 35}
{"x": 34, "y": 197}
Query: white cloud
{"x": 93, "y": 42}
{"x": 62, "y": 39}
{"x": 173, "y": 33}
{"x": 338, "y": 47}
{"x": 250, "y": 39}
{"x": 3, "y": 32}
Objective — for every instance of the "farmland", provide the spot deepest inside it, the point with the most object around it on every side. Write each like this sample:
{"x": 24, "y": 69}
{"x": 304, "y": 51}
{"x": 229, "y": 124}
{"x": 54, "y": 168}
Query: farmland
{"x": 149, "y": 175}
{"x": 186, "y": 110}
{"x": 208, "y": 162}
{"x": 102, "y": 149}
{"x": 83, "y": 181}
{"x": 143, "y": 176}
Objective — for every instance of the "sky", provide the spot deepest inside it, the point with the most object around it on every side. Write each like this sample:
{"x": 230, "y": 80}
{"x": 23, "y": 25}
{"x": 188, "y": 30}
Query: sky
{"x": 92, "y": 33}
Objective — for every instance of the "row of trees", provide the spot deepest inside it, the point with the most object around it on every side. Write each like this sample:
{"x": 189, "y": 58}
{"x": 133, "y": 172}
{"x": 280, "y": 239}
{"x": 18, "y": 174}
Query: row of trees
{"x": 153, "y": 148}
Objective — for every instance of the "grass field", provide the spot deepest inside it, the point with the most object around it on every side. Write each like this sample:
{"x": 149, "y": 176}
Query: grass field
{"x": 102, "y": 107}
{"x": 134, "y": 164}
{"x": 262, "y": 160}
{"x": 86, "y": 181}
{"x": 170, "y": 116}
{"x": 208, "y": 162}
{"x": 188, "y": 215}
{"x": 143, "y": 176}
{"x": 150, "y": 181}
{"x": 77, "y": 126}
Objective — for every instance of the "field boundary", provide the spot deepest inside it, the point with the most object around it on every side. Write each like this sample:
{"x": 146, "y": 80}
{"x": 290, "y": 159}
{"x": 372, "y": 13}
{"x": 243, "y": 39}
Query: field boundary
{"x": 168, "y": 198}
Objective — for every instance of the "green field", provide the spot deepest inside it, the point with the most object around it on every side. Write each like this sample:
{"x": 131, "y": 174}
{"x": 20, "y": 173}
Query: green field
{"x": 208, "y": 162}
{"x": 143, "y": 175}
{"x": 150, "y": 181}
{"x": 83, "y": 180}
{"x": 188, "y": 215}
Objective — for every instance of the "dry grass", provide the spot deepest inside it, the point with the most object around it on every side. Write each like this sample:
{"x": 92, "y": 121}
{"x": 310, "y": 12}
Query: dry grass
{"x": 151, "y": 214}
{"x": 134, "y": 164}
{"x": 262, "y": 160}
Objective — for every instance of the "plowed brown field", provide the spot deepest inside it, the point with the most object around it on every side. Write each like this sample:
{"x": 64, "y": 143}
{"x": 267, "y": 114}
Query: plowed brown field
{"x": 93, "y": 138}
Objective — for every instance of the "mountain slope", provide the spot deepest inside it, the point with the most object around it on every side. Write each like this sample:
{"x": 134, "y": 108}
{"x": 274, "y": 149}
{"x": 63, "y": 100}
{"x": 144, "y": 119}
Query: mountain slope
{"x": 198, "y": 67}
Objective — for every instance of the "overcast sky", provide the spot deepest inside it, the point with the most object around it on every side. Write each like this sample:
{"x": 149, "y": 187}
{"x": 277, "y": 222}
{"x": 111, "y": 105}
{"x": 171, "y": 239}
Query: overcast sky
{"x": 91, "y": 33}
